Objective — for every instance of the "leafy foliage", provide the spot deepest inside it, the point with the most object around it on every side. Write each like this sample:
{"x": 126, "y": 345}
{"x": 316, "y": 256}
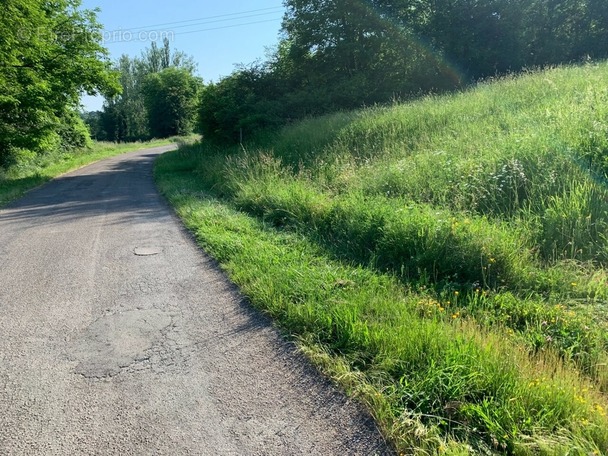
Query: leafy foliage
{"x": 171, "y": 101}
{"x": 242, "y": 103}
{"x": 155, "y": 102}
{"x": 342, "y": 54}
{"x": 50, "y": 52}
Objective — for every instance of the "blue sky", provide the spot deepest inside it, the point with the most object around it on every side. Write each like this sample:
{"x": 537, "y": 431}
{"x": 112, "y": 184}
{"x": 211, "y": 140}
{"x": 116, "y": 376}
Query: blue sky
{"x": 218, "y": 35}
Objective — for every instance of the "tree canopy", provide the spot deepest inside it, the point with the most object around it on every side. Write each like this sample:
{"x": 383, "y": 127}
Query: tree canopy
{"x": 171, "y": 98}
{"x": 50, "y": 52}
{"x": 341, "y": 54}
{"x": 159, "y": 97}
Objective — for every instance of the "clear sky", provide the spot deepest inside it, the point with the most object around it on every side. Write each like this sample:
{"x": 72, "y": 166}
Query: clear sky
{"x": 219, "y": 35}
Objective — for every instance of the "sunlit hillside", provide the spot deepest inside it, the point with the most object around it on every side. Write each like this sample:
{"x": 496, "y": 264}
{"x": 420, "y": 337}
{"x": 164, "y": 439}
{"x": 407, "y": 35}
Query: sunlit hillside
{"x": 445, "y": 260}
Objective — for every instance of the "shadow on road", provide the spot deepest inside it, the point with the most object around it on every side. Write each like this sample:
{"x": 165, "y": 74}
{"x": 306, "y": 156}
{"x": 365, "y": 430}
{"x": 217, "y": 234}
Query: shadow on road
{"x": 118, "y": 186}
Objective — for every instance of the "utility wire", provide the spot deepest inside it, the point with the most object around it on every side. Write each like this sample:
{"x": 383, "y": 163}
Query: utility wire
{"x": 119, "y": 40}
{"x": 228, "y": 26}
{"x": 218, "y": 20}
{"x": 276, "y": 8}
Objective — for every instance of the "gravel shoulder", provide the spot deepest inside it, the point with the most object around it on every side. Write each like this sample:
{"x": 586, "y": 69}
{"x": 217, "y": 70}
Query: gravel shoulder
{"x": 118, "y": 336}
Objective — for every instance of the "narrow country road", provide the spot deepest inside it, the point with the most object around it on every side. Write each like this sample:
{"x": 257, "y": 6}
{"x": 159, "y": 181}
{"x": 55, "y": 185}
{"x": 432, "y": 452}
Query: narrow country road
{"x": 119, "y": 337}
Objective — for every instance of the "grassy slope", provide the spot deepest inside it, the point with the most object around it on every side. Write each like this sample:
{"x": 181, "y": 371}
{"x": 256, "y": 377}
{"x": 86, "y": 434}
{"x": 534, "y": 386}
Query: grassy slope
{"x": 19, "y": 179}
{"x": 443, "y": 260}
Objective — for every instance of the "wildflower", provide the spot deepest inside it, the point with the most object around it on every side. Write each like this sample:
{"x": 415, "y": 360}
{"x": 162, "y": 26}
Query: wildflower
{"x": 573, "y": 284}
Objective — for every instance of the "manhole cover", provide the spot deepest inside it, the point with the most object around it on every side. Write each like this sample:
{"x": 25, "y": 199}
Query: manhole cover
{"x": 147, "y": 251}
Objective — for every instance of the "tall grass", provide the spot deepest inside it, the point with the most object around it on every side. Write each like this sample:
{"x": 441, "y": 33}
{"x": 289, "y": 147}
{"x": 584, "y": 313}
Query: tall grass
{"x": 448, "y": 253}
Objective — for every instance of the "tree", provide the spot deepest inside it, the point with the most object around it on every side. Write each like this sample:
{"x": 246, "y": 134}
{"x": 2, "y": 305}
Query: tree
{"x": 50, "y": 52}
{"x": 93, "y": 121}
{"x": 126, "y": 116}
{"x": 155, "y": 59}
{"x": 363, "y": 52}
{"x": 492, "y": 37}
{"x": 244, "y": 103}
{"x": 171, "y": 100}
{"x": 343, "y": 54}
{"x": 377, "y": 40}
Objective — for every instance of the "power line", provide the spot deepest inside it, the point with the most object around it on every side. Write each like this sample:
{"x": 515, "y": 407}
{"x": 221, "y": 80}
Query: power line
{"x": 209, "y": 17}
{"x": 229, "y": 26}
{"x": 219, "y": 20}
{"x": 121, "y": 36}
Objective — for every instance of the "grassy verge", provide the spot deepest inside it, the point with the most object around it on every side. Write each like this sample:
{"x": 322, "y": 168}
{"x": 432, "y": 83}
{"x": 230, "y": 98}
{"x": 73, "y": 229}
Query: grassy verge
{"x": 18, "y": 179}
{"x": 443, "y": 260}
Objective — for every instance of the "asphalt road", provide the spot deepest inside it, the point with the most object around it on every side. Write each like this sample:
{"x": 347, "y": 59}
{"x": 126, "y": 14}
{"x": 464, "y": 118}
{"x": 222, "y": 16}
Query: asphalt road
{"x": 118, "y": 336}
